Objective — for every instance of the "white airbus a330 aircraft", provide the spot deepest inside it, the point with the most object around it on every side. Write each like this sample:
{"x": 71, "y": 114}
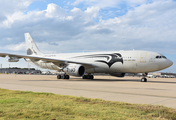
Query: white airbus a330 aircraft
{"x": 115, "y": 63}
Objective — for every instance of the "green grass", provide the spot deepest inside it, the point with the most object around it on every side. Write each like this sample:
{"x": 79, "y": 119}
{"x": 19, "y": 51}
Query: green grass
{"x": 16, "y": 105}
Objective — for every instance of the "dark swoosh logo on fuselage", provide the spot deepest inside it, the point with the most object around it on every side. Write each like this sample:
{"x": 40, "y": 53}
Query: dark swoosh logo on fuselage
{"x": 111, "y": 58}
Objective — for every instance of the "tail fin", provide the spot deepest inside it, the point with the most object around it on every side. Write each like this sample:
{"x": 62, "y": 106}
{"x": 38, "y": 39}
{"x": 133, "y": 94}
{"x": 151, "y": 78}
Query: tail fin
{"x": 31, "y": 47}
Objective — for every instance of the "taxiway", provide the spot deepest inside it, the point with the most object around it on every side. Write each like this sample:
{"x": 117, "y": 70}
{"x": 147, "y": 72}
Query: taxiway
{"x": 157, "y": 91}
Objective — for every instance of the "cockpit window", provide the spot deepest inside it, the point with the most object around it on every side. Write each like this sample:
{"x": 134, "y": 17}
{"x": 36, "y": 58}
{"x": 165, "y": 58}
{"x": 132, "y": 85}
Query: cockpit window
{"x": 164, "y": 57}
{"x": 159, "y": 57}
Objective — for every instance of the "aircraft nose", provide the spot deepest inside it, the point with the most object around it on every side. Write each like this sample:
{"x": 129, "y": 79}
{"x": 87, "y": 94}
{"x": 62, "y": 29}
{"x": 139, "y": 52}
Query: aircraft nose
{"x": 169, "y": 63}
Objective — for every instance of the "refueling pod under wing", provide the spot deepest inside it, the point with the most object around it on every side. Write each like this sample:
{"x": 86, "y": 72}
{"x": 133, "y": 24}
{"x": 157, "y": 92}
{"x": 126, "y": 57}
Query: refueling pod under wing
{"x": 13, "y": 59}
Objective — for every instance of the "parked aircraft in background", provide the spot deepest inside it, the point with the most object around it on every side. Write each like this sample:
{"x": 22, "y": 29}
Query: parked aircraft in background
{"x": 115, "y": 63}
{"x": 151, "y": 76}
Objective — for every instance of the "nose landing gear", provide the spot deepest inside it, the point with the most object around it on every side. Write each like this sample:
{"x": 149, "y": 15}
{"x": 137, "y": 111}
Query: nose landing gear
{"x": 144, "y": 79}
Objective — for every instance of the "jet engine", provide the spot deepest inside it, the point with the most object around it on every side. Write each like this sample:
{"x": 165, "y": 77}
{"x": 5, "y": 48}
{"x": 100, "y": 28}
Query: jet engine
{"x": 13, "y": 59}
{"x": 117, "y": 74}
{"x": 75, "y": 70}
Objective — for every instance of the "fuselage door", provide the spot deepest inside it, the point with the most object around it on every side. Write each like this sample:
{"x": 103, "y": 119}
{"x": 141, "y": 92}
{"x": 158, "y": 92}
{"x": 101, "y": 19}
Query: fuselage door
{"x": 143, "y": 57}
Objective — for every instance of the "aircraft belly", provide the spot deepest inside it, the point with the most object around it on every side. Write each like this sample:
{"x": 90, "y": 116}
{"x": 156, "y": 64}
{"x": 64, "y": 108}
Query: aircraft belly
{"x": 144, "y": 67}
{"x": 92, "y": 70}
{"x": 152, "y": 68}
{"x": 117, "y": 67}
{"x": 129, "y": 67}
{"x": 101, "y": 68}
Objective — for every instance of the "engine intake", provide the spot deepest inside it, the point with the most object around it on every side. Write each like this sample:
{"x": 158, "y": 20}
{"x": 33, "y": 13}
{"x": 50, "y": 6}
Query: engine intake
{"x": 75, "y": 70}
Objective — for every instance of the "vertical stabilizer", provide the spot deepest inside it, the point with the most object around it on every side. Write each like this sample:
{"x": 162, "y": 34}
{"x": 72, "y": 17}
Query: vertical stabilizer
{"x": 31, "y": 47}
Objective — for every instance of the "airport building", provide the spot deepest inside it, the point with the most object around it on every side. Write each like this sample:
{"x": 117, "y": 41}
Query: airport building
{"x": 19, "y": 71}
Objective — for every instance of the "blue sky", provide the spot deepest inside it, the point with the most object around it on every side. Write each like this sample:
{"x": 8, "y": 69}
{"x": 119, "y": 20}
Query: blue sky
{"x": 42, "y": 4}
{"x": 76, "y": 25}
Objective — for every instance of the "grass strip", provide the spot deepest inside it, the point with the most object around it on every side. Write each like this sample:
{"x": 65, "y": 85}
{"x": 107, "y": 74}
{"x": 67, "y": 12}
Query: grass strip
{"x": 20, "y": 105}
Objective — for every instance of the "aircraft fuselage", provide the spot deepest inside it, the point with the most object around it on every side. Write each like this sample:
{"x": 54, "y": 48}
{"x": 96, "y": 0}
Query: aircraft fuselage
{"x": 113, "y": 61}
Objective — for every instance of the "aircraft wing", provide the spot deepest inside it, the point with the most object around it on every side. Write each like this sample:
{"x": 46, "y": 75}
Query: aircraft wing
{"x": 45, "y": 59}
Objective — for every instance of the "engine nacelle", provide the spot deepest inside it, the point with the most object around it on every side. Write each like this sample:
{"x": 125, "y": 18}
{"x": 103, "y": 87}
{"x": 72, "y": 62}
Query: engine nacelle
{"x": 117, "y": 74}
{"x": 13, "y": 59}
{"x": 75, "y": 70}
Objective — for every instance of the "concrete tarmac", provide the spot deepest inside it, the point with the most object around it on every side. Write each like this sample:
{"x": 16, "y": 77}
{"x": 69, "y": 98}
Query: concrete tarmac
{"x": 157, "y": 91}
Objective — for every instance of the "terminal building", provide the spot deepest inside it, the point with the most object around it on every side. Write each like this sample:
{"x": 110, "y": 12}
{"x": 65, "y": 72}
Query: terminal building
{"x": 19, "y": 71}
{"x": 33, "y": 71}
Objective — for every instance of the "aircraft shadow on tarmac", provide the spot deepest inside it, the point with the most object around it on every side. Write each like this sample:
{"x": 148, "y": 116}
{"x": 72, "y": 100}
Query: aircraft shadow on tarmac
{"x": 105, "y": 80}
{"x": 37, "y": 80}
{"x": 84, "y": 80}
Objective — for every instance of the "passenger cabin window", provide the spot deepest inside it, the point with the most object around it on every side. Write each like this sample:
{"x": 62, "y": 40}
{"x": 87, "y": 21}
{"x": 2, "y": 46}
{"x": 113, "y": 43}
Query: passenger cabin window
{"x": 159, "y": 57}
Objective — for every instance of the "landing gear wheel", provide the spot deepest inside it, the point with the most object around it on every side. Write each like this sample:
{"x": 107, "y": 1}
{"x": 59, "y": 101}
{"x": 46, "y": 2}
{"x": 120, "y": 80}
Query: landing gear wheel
{"x": 91, "y": 77}
{"x": 143, "y": 79}
{"x": 88, "y": 77}
{"x": 58, "y": 76}
{"x": 62, "y": 76}
{"x": 84, "y": 77}
{"x": 67, "y": 77}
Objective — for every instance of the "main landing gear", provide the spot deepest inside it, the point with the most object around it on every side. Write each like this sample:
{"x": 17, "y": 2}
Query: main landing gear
{"x": 143, "y": 79}
{"x": 88, "y": 76}
{"x": 63, "y": 76}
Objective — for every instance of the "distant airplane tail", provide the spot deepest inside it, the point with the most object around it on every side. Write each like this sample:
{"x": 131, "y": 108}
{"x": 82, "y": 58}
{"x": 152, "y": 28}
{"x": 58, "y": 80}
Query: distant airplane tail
{"x": 31, "y": 47}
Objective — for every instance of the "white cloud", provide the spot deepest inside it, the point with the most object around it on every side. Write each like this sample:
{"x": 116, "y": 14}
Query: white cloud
{"x": 110, "y": 3}
{"x": 11, "y": 18}
{"x": 102, "y": 3}
{"x": 92, "y": 11}
{"x": 54, "y": 11}
{"x": 146, "y": 26}
{"x": 15, "y": 47}
{"x": 11, "y": 10}
{"x": 8, "y": 7}
{"x": 150, "y": 12}
{"x": 76, "y": 10}
{"x": 147, "y": 23}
